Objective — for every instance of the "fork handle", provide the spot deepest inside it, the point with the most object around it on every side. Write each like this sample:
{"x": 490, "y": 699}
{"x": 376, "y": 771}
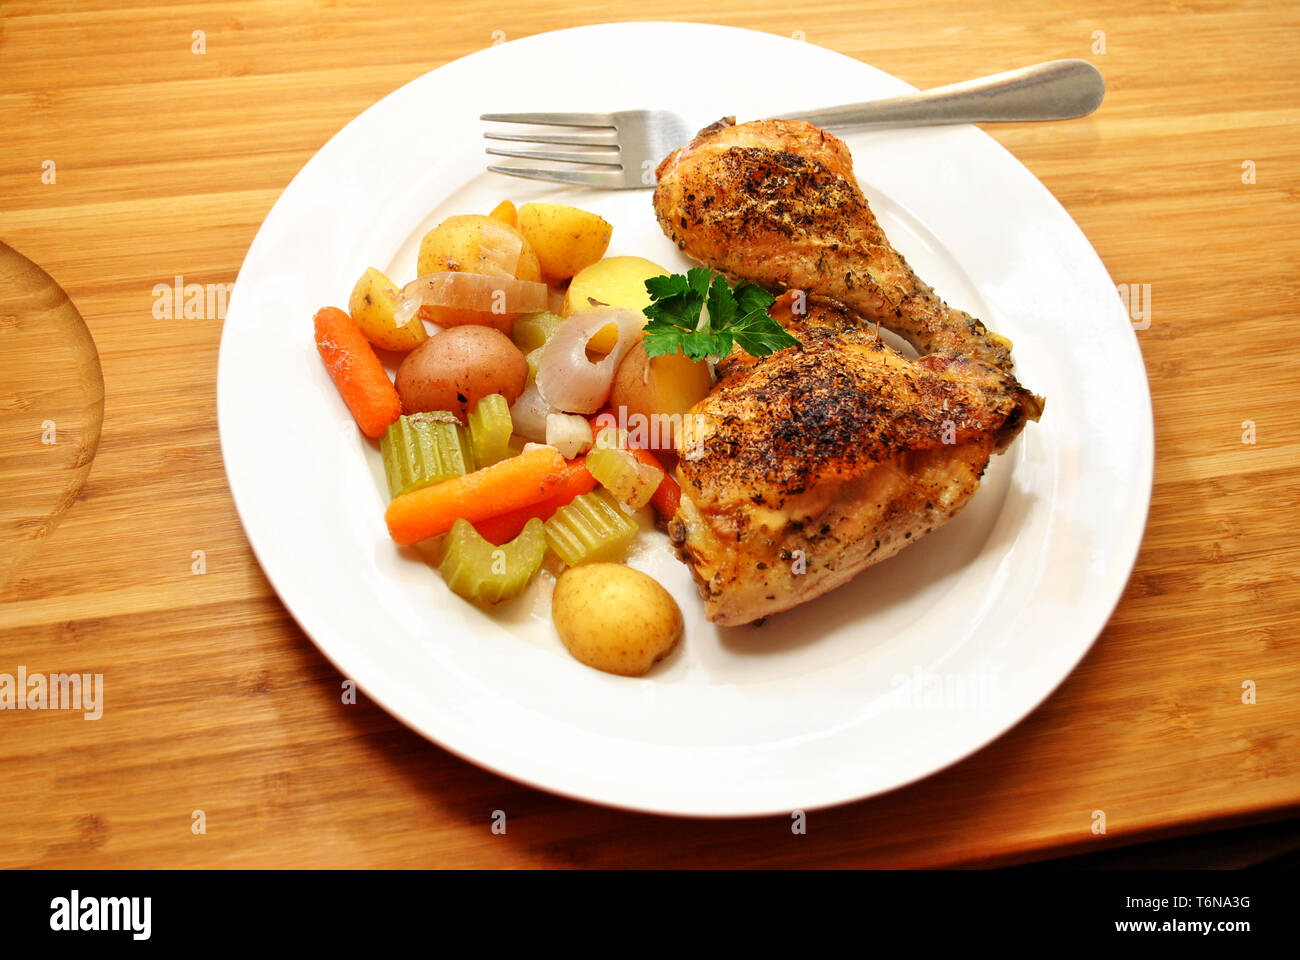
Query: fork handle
{"x": 1055, "y": 90}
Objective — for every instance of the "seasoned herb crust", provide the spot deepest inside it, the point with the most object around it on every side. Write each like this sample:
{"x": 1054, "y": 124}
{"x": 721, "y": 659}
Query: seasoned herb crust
{"x": 776, "y": 202}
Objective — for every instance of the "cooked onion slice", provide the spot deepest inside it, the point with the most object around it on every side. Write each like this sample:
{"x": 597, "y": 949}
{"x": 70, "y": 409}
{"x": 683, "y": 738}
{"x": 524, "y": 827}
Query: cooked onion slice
{"x": 568, "y": 433}
{"x": 566, "y": 379}
{"x": 528, "y": 414}
{"x": 477, "y": 291}
{"x": 405, "y": 310}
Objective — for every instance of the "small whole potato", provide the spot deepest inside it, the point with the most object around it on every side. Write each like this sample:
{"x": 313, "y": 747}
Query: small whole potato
{"x": 614, "y": 618}
{"x": 455, "y": 244}
{"x": 458, "y": 367}
{"x": 566, "y": 239}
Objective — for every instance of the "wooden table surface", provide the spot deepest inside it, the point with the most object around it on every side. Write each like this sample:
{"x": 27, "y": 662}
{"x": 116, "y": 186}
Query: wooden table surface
{"x": 164, "y": 163}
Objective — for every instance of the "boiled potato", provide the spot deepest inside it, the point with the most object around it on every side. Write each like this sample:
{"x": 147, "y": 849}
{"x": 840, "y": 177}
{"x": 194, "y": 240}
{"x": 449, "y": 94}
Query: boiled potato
{"x": 615, "y": 618}
{"x": 455, "y": 369}
{"x": 456, "y": 245}
{"x": 505, "y": 212}
{"x": 373, "y": 301}
{"x": 616, "y": 281}
{"x": 661, "y": 390}
{"x": 566, "y": 239}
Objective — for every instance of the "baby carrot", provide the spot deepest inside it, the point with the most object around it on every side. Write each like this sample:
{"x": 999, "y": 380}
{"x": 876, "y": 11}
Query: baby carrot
{"x": 356, "y": 371}
{"x": 508, "y": 485}
{"x": 506, "y": 526}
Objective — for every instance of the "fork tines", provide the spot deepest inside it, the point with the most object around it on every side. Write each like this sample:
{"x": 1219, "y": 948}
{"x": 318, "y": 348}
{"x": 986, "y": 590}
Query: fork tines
{"x": 594, "y": 135}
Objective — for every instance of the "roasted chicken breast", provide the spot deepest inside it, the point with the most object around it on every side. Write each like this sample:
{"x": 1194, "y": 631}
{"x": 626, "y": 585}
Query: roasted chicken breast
{"x": 802, "y": 468}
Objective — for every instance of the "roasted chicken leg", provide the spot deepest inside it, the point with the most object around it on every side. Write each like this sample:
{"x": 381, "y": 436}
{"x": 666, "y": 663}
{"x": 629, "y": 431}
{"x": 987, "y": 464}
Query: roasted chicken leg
{"x": 802, "y": 468}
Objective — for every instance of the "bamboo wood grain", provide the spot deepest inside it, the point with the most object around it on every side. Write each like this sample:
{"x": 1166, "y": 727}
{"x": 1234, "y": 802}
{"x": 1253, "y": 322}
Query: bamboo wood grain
{"x": 168, "y": 160}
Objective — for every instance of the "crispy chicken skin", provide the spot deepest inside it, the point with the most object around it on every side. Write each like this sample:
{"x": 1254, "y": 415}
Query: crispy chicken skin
{"x": 802, "y": 468}
{"x": 776, "y": 202}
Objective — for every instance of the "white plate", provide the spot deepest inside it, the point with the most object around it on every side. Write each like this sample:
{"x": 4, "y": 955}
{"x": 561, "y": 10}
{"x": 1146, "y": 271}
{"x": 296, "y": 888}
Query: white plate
{"x": 917, "y": 663}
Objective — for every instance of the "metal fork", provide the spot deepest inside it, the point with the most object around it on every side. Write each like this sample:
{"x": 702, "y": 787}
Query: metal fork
{"x": 619, "y": 151}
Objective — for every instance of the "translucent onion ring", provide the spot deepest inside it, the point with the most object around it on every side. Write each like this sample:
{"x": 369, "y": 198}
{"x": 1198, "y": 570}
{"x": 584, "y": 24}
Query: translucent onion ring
{"x": 566, "y": 379}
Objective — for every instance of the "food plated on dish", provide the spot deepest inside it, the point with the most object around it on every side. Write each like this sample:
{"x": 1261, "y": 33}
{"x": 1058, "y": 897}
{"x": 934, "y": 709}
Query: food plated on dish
{"x": 754, "y": 412}
{"x": 805, "y": 711}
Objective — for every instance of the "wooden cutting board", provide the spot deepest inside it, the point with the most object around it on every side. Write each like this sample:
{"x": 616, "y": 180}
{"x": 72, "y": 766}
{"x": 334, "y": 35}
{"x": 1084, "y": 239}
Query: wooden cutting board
{"x": 147, "y": 142}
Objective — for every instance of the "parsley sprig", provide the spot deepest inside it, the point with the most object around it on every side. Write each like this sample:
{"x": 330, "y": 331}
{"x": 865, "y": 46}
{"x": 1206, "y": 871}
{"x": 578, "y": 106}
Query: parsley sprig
{"x": 697, "y": 314}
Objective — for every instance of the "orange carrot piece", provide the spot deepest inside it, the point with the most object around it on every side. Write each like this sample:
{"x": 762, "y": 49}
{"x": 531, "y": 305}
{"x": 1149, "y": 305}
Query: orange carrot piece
{"x": 506, "y": 526}
{"x": 356, "y": 371}
{"x": 508, "y": 485}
